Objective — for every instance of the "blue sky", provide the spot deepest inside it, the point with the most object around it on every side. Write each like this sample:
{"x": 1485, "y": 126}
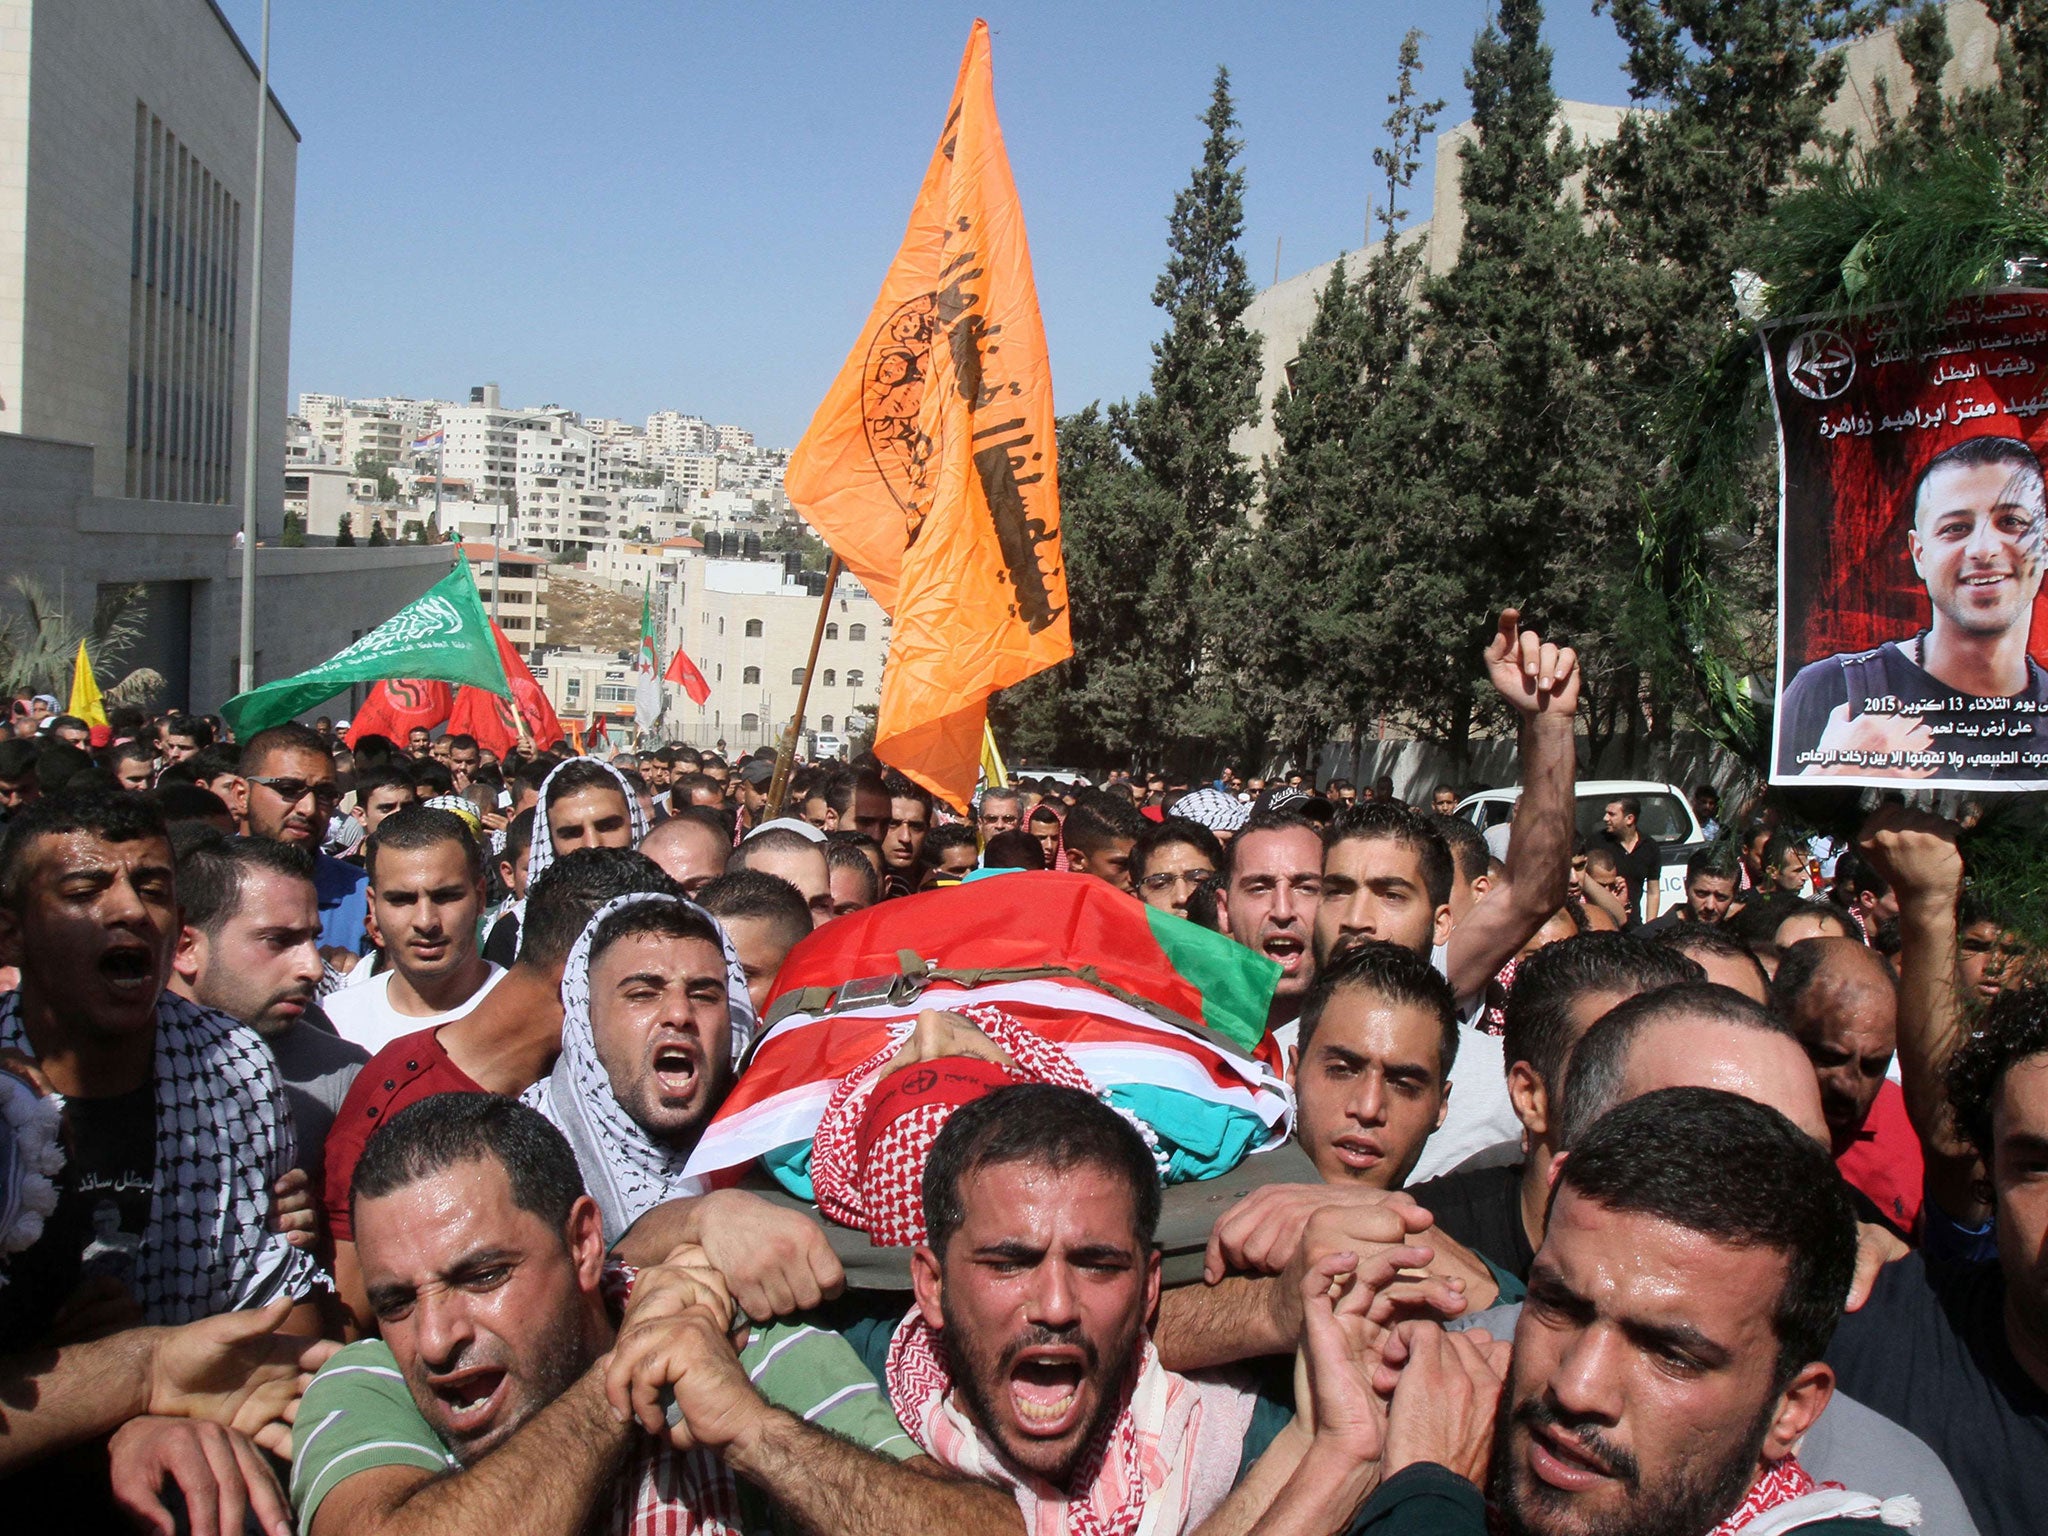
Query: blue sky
{"x": 623, "y": 206}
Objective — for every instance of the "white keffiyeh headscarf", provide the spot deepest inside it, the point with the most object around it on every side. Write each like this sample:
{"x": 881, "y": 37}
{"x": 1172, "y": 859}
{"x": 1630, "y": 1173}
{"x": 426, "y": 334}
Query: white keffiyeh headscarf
{"x": 544, "y": 840}
{"x": 627, "y": 1171}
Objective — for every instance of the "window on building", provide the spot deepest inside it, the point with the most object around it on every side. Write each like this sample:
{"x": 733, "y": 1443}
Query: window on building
{"x": 824, "y": 722}
{"x": 612, "y": 693}
{"x": 721, "y": 624}
{"x": 749, "y": 724}
{"x": 857, "y": 632}
{"x": 831, "y": 677}
{"x": 796, "y": 676}
{"x": 751, "y": 675}
{"x": 831, "y": 630}
{"x": 853, "y": 678}
{"x": 572, "y": 690}
{"x": 753, "y": 629}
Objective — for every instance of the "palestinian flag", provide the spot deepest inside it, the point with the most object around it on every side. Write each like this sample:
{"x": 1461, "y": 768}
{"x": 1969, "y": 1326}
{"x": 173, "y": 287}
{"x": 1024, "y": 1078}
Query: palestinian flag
{"x": 1166, "y": 1018}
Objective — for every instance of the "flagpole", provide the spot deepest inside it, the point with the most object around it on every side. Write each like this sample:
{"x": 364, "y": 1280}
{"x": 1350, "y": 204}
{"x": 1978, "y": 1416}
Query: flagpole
{"x": 785, "y": 755}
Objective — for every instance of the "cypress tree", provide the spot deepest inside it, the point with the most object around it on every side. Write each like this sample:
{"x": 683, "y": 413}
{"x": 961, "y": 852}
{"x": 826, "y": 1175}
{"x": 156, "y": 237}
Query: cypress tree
{"x": 1204, "y": 387}
{"x": 1304, "y": 579}
{"x": 1484, "y": 455}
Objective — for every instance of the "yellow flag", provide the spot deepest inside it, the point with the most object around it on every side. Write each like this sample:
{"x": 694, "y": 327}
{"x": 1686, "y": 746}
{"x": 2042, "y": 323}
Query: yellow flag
{"x": 930, "y": 466}
{"x": 992, "y": 767}
{"x": 85, "y": 692}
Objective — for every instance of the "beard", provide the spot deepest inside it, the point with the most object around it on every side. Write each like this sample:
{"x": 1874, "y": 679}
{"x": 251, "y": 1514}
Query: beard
{"x": 1689, "y": 1501}
{"x": 981, "y": 1375}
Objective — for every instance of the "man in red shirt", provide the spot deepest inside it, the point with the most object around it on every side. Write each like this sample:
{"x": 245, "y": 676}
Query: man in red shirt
{"x": 1838, "y": 995}
{"x": 503, "y": 1045}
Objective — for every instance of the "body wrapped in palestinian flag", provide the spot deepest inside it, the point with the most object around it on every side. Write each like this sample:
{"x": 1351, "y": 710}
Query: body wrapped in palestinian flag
{"x": 1166, "y": 1020}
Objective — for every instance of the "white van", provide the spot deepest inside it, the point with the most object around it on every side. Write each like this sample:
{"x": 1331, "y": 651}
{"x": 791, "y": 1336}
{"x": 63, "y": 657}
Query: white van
{"x": 1667, "y": 819}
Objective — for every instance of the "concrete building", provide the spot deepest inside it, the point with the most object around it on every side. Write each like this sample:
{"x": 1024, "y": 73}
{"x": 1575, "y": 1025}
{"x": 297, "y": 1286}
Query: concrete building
{"x": 482, "y": 447}
{"x": 747, "y": 624}
{"x": 515, "y": 591}
{"x": 563, "y": 518}
{"x": 734, "y": 439}
{"x": 1283, "y": 313}
{"x": 323, "y": 496}
{"x": 127, "y": 183}
{"x": 184, "y": 558}
{"x": 692, "y": 473}
{"x": 127, "y": 160}
{"x": 583, "y": 684}
{"x": 671, "y": 432}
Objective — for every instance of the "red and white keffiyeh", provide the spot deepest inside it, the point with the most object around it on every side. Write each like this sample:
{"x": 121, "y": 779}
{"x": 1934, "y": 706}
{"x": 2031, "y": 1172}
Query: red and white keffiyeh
{"x": 665, "y": 1492}
{"x": 1161, "y": 1467}
{"x": 867, "y": 1159}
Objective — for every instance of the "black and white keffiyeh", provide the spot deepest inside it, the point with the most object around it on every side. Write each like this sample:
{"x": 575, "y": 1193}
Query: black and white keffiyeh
{"x": 223, "y": 1137}
{"x": 543, "y": 853}
{"x": 627, "y": 1171}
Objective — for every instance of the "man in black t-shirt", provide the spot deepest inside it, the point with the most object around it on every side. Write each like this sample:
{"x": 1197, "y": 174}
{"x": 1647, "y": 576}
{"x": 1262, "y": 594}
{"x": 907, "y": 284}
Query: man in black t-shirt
{"x": 1962, "y": 697}
{"x": 1559, "y": 992}
{"x": 1638, "y": 857}
{"x": 1959, "y": 1355}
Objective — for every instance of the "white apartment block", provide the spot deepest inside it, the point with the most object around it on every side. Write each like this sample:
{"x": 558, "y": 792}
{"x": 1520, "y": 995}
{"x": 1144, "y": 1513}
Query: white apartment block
{"x": 514, "y": 586}
{"x": 564, "y": 518}
{"x": 367, "y": 430}
{"x": 300, "y": 445}
{"x": 582, "y": 684}
{"x": 693, "y": 473}
{"x": 734, "y": 439}
{"x": 671, "y": 433}
{"x": 325, "y": 495}
{"x": 418, "y": 416}
{"x": 747, "y": 624}
{"x": 754, "y": 472}
{"x": 482, "y": 447}
{"x": 655, "y": 508}
{"x": 634, "y": 565}
{"x": 554, "y": 451}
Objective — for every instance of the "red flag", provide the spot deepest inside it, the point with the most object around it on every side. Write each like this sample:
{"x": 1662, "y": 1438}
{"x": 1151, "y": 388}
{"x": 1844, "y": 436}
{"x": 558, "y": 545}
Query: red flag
{"x": 489, "y": 718}
{"x": 396, "y": 709}
{"x": 598, "y": 735}
{"x": 683, "y": 672}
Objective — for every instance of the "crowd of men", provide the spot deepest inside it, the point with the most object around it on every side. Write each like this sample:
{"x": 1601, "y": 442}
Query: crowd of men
{"x": 350, "y": 1090}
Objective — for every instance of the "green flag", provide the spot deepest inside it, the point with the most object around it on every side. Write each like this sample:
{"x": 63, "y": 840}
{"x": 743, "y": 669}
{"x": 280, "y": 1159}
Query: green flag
{"x": 443, "y": 636}
{"x": 646, "y": 670}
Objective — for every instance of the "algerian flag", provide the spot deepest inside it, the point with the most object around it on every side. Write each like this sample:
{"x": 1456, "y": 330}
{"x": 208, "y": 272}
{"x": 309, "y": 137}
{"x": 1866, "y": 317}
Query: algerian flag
{"x": 646, "y": 669}
{"x": 443, "y": 636}
{"x": 85, "y": 691}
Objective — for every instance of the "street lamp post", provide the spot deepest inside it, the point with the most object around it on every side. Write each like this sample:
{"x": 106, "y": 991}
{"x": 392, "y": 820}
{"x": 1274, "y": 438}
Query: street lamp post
{"x": 252, "y": 427}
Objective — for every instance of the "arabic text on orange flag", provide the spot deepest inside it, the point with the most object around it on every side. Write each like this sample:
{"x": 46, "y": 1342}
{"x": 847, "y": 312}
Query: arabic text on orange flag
{"x": 929, "y": 468}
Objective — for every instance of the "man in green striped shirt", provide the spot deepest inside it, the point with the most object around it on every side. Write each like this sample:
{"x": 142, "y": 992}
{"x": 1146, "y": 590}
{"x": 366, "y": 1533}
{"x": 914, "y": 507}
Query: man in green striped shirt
{"x": 484, "y": 1408}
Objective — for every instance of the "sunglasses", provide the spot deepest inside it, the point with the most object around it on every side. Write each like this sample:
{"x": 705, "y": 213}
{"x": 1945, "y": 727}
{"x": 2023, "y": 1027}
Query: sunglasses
{"x": 292, "y": 791}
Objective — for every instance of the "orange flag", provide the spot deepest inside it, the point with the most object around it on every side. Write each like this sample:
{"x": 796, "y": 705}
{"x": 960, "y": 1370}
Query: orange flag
{"x": 929, "y": 468}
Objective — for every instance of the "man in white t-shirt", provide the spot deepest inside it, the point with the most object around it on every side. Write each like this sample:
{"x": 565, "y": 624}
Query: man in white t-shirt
{"x": 426, "y": 900}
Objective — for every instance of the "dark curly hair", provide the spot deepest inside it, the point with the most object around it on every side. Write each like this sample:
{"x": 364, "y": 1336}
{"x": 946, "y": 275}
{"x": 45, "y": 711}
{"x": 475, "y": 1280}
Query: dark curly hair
{"x": 2015, "y": 1030}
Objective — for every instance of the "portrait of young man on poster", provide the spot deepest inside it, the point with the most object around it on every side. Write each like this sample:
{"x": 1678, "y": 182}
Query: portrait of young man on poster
{"x": 1960, "y": 698}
